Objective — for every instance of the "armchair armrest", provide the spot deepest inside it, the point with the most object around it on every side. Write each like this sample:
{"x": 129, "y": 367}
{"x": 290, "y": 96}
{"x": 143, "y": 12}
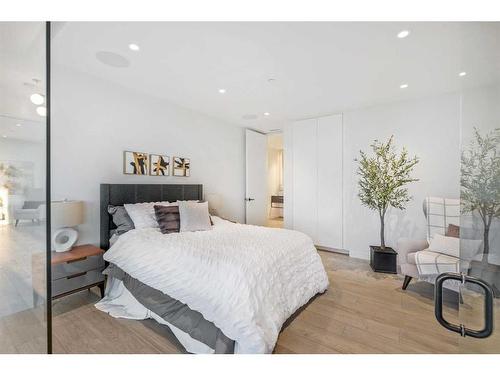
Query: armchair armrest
{"x": 406, "y": 245}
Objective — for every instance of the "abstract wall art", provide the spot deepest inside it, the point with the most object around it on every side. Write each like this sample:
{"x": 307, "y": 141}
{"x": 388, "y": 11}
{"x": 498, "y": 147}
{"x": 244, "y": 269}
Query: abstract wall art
{"x": 181, "y": 167}
{"x": 159, "y": 165}
{"x": 135, "y": 163}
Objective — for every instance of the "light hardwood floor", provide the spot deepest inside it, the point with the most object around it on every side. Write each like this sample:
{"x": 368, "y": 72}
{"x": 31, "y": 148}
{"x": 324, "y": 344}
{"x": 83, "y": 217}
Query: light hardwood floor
{"x": 362, "y": 312}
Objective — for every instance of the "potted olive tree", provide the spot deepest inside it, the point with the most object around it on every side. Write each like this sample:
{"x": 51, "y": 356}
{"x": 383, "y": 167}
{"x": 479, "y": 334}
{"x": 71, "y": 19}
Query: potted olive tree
{"x": 384, "y": 177}
{"x": 480, "y": 195}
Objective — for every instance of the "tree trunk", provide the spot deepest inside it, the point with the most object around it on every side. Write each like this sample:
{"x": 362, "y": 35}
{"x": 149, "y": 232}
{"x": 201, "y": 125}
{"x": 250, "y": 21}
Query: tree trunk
{"x": 486, "y": 242}
{"x": 382, "y": 237}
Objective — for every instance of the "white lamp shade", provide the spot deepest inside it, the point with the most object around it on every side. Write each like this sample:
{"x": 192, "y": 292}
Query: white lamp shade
{"x": 66, "y": 213}
{"x": 214, "y": 201}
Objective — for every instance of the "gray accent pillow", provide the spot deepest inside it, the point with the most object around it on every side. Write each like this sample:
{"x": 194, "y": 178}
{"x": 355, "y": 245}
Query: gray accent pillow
{"x": 121, "y": 219}
{"x": 167, "y": 218}
{"x": 194, "y": 216}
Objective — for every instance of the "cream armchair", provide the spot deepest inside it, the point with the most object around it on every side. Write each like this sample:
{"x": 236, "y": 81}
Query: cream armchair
{"x": 439, "y": 213}
{"x": 31, "y": 210}
{"x": 406, "y": 249}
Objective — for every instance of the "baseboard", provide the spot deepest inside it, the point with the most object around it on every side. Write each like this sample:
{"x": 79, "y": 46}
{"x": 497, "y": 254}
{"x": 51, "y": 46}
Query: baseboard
{"x": 332, "y": 250}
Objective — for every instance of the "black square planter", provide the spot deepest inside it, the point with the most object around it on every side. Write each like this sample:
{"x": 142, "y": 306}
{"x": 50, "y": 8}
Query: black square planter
{"x": 383, "y": 260}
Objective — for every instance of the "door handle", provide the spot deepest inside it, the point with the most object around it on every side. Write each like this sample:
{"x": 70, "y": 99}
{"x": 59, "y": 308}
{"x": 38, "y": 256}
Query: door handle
{"x": 488, "y": 305}
{"x": 249, "y": 199}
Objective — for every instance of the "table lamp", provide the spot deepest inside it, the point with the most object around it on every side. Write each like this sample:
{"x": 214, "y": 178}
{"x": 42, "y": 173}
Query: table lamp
{"x": 65, "y": 215}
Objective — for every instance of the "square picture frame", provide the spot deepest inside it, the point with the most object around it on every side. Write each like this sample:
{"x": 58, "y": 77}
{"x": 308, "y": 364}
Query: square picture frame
{"x": 135, "y": 163}
{"x": 181, "y": 167}
{"x": 159, "y": 165}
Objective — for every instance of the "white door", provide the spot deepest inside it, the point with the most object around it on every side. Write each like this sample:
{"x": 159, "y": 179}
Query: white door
{"x": 256, "y": 178}
{"x": 329, "y": 163}
{"x": 305, "y": 177}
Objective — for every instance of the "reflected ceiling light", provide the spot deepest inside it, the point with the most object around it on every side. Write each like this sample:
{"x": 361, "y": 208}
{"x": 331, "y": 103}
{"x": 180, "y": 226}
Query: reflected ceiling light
{"x": 4, "y": 136}
{"x": 18, "y": 125}
{"x": 267, "y": 114}
{"x": 403, "y": 86}
{"x": 462, "y": 74}
{"x": 42, "y": 111}
{"x": 133, "y": 47}
{"x": 403, "y": 34}
{"x": 222, "y": 91}
{"x": 37, "y": 99}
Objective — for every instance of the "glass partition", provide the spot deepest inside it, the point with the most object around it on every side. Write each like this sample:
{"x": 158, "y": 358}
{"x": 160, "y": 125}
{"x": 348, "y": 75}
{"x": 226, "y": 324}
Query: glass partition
{"x": 480, "y": 215}
{"x": 23, "y": 149}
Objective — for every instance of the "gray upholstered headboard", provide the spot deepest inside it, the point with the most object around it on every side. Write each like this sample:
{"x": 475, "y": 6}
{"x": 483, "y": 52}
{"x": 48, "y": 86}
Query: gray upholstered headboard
{"x": 119, "y": 194}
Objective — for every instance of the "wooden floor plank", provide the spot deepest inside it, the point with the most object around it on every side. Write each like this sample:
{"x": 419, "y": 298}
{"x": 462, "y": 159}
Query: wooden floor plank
{"x": 362, "y": 312}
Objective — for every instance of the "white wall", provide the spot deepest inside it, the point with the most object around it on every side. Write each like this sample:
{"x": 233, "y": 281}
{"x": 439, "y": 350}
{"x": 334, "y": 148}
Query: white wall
{"x": 429, "y": 128}
{"x": 94, "y": 121}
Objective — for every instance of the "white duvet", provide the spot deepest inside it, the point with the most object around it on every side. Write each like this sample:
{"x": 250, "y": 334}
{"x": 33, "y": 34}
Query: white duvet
{"x": 245, "y": 279}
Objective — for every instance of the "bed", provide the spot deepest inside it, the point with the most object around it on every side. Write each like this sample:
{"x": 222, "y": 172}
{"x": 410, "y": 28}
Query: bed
{"x": 226, "y": 290}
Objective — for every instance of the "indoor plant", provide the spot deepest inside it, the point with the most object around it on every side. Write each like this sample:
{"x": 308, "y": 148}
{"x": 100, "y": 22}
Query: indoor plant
{"x": 383, "y": 181}
{"x": 480, "y": 181}
{"x": 480, "y": 195}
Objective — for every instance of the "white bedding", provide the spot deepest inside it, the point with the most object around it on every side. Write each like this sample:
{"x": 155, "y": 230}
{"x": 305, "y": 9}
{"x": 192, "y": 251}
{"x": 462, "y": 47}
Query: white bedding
{"x": 245, "y": 279}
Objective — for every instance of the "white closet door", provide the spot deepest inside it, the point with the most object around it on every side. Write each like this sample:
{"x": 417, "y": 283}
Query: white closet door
{"x": 329, "y": 162}
{"x": 305, "y": 177}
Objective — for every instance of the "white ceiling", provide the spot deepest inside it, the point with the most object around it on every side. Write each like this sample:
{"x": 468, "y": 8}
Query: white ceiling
{"x": 22, "y": 59}
{"x": 319, "y": 68}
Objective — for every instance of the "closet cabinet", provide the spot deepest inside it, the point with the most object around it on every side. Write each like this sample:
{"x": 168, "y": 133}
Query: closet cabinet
{"x": 316, "y": 147}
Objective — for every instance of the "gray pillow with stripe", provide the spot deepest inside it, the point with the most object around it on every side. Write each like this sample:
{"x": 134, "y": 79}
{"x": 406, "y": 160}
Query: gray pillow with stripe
{"x": 168, "y": 218}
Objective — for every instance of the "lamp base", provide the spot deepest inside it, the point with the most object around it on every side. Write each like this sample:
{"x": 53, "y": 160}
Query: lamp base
{"x": 63, "y": 239}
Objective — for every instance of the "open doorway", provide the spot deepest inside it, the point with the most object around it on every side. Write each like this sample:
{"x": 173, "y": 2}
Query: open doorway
{"x": 275, "y": 180}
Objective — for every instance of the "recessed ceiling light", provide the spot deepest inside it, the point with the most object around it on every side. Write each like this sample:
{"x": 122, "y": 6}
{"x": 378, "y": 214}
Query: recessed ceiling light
{"x": 222, "y": 91}
{"x": 4, "y": 136}
{"x": 18, "y": 125}
{"x": 271, "y": 80}
{"x": 266, "y": 114}
{"x": 42, "y": 111}
{"x": 403, "y": 86}
{"x": 133, "y": 47}
{"x": 37, "y": 99}
{"x": 403, "y": 34}
{"x": 462, "y": 74}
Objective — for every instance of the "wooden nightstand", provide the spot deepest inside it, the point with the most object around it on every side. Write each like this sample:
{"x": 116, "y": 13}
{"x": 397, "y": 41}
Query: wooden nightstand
{"x": 72, "y": 271}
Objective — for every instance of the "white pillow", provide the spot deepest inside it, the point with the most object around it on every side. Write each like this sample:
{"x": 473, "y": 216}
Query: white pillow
{"x": 143, "y": 214}
{"x": 194, "y": 216}
{"x": 455, "y": 247}
{"x": 445, "y": 245}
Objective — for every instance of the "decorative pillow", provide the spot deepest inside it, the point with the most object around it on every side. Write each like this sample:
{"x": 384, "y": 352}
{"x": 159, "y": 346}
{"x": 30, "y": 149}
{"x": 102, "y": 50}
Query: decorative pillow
{"x": 456, "y": 247}
{"x": 121, "y": 219}
{"x": 453, "y": 231}
{"x": 168, "y": 218}
{"x": 445, "y": 245}
{"x": 143, "y": 214}
{"x": 194, "y": 216}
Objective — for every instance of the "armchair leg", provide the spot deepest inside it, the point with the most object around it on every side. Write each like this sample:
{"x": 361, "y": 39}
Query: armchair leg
{"x": 406, "y": 282}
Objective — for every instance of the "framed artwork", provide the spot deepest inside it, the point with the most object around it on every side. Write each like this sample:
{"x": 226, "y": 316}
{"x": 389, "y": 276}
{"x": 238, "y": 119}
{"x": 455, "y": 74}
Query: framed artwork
{"x": 181, "y": 167}
{"x": 135, "y": 162}
{"x": 159, "y": 165}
